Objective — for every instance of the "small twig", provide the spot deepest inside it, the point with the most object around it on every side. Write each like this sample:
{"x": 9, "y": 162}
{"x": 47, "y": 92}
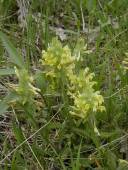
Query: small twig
{"x": 107, "y": 97}
{"x": 110, "y": 143}
{"x": 33, "y": 152}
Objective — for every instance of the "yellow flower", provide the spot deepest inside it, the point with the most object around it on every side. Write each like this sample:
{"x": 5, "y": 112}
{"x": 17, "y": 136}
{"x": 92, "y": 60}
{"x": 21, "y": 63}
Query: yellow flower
{"x": 57, "y": 57}
{"x": 86, "y": 99}
{"x": 58, "y": 60}
{"x": 25, "y": 89}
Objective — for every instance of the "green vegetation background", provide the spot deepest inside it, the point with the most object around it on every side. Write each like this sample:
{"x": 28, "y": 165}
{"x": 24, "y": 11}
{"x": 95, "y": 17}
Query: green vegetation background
{"x": 44, "y": 136}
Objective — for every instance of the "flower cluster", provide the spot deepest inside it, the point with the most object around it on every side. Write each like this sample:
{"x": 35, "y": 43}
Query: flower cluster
{"x": 57, "y": 58}
{"x": 80, "y": 85}
{"x": 25, "y": 90}
{"x": 85, "y": 97}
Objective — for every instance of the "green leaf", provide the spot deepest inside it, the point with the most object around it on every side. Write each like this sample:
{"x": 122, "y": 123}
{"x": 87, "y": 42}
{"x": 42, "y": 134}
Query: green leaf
{"x": 123, "y": 165}
{"x": 3, "y": 107}
{"x": 7, "y": 71}
{"x": 91, "y": 5}
{"x": 11, "y": 97}
{"x": 77, "y": 163}
{"x": 18, "y": 161}
{"x": 14, "y": 55}
{"x": 4, "y": 104}
{"x": 18, "y": 133}
{"x": 40, "y": 81}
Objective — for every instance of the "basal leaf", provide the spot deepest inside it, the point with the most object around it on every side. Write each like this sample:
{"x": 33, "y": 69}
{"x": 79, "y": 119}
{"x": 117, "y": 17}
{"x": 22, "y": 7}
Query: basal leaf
{"x": 7, "y": 71}
{"x": 3, "y": 107}
{"x": 13, "y": 53}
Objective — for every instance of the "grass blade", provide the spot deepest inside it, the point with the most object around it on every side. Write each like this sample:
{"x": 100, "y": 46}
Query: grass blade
{"x": 13, "y": 53}
{"x": 7, "y": 71}
{"x": 3, "y": 107}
